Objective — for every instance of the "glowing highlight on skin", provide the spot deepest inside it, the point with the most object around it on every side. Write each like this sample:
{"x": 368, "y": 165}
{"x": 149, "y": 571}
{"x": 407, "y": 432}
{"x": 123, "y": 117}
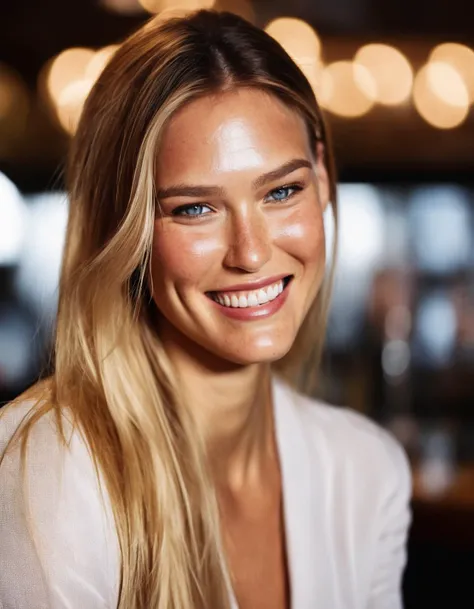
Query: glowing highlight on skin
{"x": 296, "y": 231}
{"x": 235, "y": 147}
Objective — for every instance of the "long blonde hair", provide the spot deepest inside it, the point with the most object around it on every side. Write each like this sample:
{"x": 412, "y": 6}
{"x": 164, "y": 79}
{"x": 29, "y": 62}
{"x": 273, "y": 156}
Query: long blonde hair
{"x": 110, "y": 369}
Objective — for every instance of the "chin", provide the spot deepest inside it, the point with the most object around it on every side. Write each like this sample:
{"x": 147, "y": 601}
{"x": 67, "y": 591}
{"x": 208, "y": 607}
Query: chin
{"x": 265, "y": 350}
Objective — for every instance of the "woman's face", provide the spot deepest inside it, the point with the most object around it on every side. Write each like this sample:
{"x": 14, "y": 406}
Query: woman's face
{"x": 239, "y": 252}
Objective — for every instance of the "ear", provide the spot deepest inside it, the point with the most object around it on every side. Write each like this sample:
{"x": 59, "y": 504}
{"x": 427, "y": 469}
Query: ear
{"x": 322, "y": 176}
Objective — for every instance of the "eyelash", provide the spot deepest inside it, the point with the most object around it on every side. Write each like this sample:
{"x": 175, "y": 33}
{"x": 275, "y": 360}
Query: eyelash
{"x": 297, "y": 187}
{"x": 178, "y": 211}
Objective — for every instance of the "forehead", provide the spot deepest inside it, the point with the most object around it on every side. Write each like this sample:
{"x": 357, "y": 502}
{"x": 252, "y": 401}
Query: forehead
{"x": 233, "y": 130}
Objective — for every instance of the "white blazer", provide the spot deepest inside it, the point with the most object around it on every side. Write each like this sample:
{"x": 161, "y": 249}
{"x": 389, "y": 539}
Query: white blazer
{"x": 346, "y": 489}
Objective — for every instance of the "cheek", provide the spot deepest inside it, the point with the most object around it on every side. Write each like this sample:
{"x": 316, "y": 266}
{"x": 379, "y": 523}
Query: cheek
{"x": 180, "y": 255}
{"x": 301, "y": 234}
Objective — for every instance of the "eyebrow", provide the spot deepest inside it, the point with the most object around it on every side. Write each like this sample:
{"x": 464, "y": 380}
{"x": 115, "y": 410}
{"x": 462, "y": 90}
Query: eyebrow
{"x": 188, "y": 190}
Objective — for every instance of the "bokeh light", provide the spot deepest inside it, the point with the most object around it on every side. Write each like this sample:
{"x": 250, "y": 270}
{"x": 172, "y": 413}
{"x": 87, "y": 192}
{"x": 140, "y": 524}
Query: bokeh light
{"x": 12, "y": 221}
{"x": 67, "y": 67}
{"x": 302, "y": 44}
{"x": 314, "y": 74}
{"x": 395, "y": 358}
{"x": 297, "y": 37}
{"x": 347, "y": 89}
{"x": 361, "y": 226}
{"x": 299, "y": 40}
{"x": 446, "y": 82}
{"x": 391, "y": 71}
{"x": 124, "y": 7}
{"x": 243, "y": 8}
{"x": 440, "y": 95}
{"x": 439, "y": 221}
{"x": 38, "y": 273}
{"x": 156, "y": 6}
{"x": 68, "y": 79}
{"x": 71, "y": 102}
{"x": 98, "y": 62}
{"x": 361, "y": 242}
{"x": 459, "y": 57}
{"x": 435, "y": 329}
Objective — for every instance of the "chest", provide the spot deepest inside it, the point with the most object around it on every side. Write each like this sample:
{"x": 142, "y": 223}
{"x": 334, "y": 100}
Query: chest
{"x": 255, "y": 548}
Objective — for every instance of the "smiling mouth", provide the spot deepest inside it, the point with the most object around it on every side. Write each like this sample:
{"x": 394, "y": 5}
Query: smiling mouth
{"x": 244, "y": 299}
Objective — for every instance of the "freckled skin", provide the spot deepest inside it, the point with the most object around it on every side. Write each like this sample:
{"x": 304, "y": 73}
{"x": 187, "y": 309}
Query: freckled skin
{"x": 228, "y": 141}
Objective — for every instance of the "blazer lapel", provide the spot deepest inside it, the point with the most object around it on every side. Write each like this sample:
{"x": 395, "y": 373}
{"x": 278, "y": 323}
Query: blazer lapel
{"x": 303, "y": 500}
{"x": 307, "y": 537}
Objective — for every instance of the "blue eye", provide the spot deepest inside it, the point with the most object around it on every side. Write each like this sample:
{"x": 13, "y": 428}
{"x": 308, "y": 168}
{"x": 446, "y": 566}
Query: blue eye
{"x": 284, "y": 192}
{"x": 191, "y": 210}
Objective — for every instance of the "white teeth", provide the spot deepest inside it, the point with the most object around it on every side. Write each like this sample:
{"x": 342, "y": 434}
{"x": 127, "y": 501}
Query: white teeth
{"x": 250, "y": 299}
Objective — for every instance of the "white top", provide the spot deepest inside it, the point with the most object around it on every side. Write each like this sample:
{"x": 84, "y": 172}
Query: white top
{"x": 346, "y": 489}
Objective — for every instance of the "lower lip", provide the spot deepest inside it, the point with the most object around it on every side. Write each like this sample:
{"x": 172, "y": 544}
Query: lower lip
{"x": 258, "y": 312}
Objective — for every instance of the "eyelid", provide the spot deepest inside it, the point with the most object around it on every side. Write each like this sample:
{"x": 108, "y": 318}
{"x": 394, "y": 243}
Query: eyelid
{"x": 296, "y": 185}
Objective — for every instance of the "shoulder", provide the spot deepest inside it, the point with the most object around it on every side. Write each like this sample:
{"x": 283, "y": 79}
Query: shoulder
{"x": 43, "y": 453}
{"x": 52, "y": 504}
{"x": 351, "y": 444}
{"x": 30, "y": 411}
{"x": 48, "y": 435}
{"x": 56, "y": 455}
{"x": 46, "y": 467}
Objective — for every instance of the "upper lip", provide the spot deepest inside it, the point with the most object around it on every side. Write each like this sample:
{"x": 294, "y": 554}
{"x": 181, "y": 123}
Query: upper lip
{"x": 253, "y": 285}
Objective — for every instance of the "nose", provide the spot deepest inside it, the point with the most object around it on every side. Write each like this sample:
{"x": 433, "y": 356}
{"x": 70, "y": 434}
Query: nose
{"x": 249, "y": 241}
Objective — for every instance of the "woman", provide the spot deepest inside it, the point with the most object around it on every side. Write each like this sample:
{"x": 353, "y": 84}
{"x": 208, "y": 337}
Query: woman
{"x": 170, "y": 461}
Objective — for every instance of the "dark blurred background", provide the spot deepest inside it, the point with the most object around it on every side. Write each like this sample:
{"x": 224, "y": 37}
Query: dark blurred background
{"x": 396, "y": 80}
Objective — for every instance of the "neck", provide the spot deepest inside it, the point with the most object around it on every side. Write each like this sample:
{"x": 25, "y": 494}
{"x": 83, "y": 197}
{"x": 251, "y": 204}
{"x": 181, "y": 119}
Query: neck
{"x": 232, "y": 408}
